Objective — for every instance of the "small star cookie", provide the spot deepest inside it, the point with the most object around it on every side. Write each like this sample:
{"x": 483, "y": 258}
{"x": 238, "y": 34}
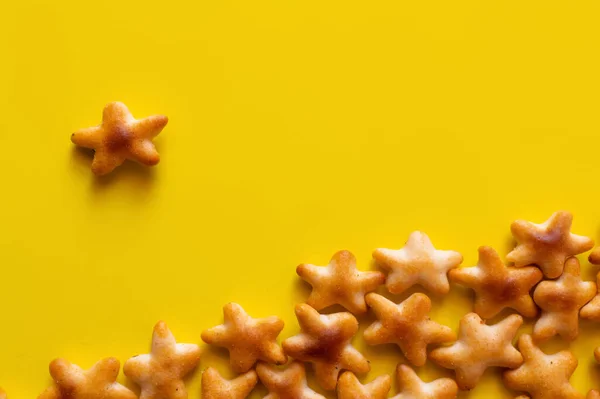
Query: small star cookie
{"x": 289, "y": 383}
{"x": 418, "y": 262}
{"x": 480, "y": 346}
{"x": 325, "y": 341}
{"x": 406, "y": 325}
{"x": 591, "y": 310}
{"x": 340, "y": 283}
{"x": 547, "y": 245}
{"x": 497, "y": 286}
{"x": 121, "y": 137}
{"x": 543, "y": 376}
{"x": 160, "y": 373}
{"x": 99, "y": 382}
{"x": 412, "y": 387}
{"x": 349, "y": 387}
{"x": 560, "y": 301}
{"x": 248, "y": 340}
{"x": 216, "y": 387}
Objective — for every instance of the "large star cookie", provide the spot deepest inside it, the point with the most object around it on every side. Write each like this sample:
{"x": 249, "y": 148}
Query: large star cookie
{"x": 480, "y": 346}
{"x": 591, "y": 310}
{"x": 216, "y": 387}
{"x": 418, "y": 262}
{"x": 289, "y": 383}
{"x": 547, "y": 245}
{"x": 121, "y": 137}
{"x": 325, "y": 341}
{"x": 412, "y": 387}
{"x": 543, "y": 376}
{"x": 340, "y": 282}
{"x": 349, "y": 387}
{"x": 560, "y": 301}
{"x": 406, "y": 325}
{"x": 248, "y": 340}
{"x": 160, "y": 373}
{"x": 497, "y": 286}
{"x": 99, "y": 382}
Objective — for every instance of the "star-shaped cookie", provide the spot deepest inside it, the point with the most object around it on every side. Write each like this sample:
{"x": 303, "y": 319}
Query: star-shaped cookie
{"x": 591, "y": 310}
{"x": 216, "y": 387}
{"x": 99, "y": 382}
{"x": 289, "y": 383}
{"x": 160, "y": 373}
{"x": 418, "y": 262}
{"x": 480, "y": 346}
{"x": 412, "y": 387}
{"x": 547, "y": 245}
{"x": 406, "y": 325}
{"x": 121, "y": 137}
{"x": 543, "y": 376}
{"x": 497, "y": 286}
{"x": 593, "y": 394}
{"x": 560, "y": 301}
{"x": 594, "y": 257}
{"x": 349, "y": 387}
{"x": 325, "y": 341}
{"x": 340, "y": 282}
{"x": 248, "y": 340}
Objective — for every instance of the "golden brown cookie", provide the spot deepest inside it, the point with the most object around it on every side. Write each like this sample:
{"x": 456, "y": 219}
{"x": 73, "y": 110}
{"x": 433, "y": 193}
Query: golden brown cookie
{"x": 99, "y": 382}
{"x": 216, "y": 387}
{"x": 597, "y": 354}
{"x": 418, "y": 262}
{"x": 593, "y": 394}
{"x": 121, "y": 137}
{"x": 248, "y": 340}
{"x": 340, "y": 283}
{"x": 406, "y": 325}
{"x": 349, "y": 387}
{"x": 325, "y": 341}
{"x": 288, "y": 383}
{"x": 160, "y": 373}
{"x": 543, "y": 376}
{"x": 591, "y": 310}
{"x": 412, "y": 387}
{"x": 497, "y": 286}
{"x": 560, "y": 301}
{"x": 480, "y": 346}
{"x": 594, "y": 257}
{"x": 2, "y": 394}
{"x": 547, "y": 245}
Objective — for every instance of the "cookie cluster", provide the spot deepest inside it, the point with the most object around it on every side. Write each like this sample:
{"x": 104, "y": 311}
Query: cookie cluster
{"x": 542, "y": 282}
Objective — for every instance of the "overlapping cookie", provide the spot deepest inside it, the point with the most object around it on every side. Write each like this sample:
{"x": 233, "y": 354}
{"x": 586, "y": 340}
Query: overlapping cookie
{"x": 418, "y": 262}
{"x": 340, "y": 282}
{"x": 407, "y": 325}
{"x": 214, "y": 386}
{"x": 480, "y": 346}
{"x": 349, "y": 387}
{"x": 412, "y": 387}
{"x": 287, "y": 383}
{"x": 325, "y": 341}
{"x": 248, "y": 340}
{"x": 160, "y": 373}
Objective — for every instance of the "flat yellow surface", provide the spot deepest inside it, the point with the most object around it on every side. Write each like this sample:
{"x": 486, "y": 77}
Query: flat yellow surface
{"x": 297, "y": 128}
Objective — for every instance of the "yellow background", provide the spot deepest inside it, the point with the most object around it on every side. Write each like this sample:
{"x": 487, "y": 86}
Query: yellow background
{"x": 297, "y": 128}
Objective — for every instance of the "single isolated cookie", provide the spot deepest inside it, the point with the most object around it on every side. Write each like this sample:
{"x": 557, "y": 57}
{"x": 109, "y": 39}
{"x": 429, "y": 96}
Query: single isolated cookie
{"x": 591, "y": 310}
{"x": 560, "y": 301}
{"x": 418, "y": 262}
{"x": 497, "y": 286}
{"x": 480, "y": 346}
{"x": 248, "y": 340}
{"x": 121, "y": 137}
{"x": 325, "y": 341}
{"x": 288, "y": 383}
{"x": 412, "y": 387}
{"x": 216, "y": 387}
{"x": 99, "y": 382}
{"x": 543, "y": 376}
{"x": 340, "y": 283}
{"x": 160, "y": 373}
{"x": 406, "y": 325}
{"x": 547, "y": 245}
{"x": 349, "y": 387}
